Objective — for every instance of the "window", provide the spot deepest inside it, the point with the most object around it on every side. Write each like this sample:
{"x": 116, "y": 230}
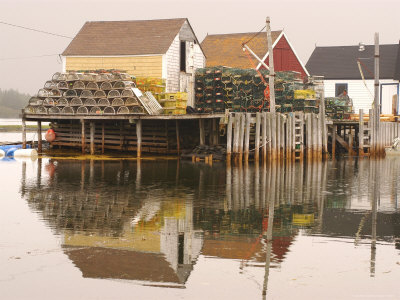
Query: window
{"x": 183, "y": 56}
{"x": 340, "y": 88}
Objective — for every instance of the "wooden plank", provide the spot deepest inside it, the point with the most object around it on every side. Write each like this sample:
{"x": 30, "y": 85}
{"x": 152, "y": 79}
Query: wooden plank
{"x": 342, "y": 142}
{"x": 229, "y": 138}
{"x": 247, "y": 136}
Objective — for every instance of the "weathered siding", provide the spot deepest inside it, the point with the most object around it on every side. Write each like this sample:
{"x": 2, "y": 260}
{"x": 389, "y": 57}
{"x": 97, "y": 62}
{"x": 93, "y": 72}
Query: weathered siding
{"x": 140, "y": 66}
{"x": 362, "y": 98}
{"x": 172, "y": 58}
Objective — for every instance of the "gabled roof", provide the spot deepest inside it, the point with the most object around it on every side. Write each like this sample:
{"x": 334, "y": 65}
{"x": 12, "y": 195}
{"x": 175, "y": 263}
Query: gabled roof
{"x": 139, "y": 37}
{"x": 227, "y": 50}
{"x": 340, "y": 62}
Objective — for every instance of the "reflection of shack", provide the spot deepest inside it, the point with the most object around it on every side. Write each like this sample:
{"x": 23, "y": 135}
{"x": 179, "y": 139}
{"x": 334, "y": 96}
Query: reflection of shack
{"x": 107, "y": 231}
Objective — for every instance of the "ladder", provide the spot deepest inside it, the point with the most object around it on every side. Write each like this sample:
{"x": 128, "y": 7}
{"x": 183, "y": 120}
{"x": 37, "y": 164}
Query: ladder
{"x": 299, "y": 135}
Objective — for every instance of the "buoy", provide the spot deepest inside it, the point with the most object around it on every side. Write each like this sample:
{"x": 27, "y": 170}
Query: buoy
{"x": 2, "y": 153}
{"x": 10, "y": 151}
{"x": 50, "y": 135}
{"x": 29, "y": 153}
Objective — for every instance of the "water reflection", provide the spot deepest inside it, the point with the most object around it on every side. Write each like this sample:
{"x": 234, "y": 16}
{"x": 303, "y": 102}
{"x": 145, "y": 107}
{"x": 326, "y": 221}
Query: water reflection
{"x": 150, "y": 221}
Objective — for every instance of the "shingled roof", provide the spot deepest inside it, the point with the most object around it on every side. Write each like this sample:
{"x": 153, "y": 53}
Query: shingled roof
{"x": 137, "y": 37}
{"x": 227, "y": 50}
{"x": 340, "y": 62}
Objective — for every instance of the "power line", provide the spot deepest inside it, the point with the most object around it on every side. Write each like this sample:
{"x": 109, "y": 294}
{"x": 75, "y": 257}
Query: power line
{"x": 36, "y": 30}
{"x": 26, "y": 57}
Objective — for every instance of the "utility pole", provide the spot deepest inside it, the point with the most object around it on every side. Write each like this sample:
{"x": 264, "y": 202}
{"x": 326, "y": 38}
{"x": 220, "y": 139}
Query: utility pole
{"x": 271, "y": 69}
{"x": 376, "y": 98}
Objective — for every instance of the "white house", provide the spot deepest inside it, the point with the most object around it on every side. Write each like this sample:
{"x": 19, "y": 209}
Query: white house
{"x": 344, "y": 67}
{"x": 166, "y": 48}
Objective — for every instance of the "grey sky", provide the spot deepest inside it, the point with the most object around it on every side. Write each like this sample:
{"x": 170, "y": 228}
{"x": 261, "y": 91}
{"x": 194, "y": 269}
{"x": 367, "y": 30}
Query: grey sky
{"x": 308, "y": 22}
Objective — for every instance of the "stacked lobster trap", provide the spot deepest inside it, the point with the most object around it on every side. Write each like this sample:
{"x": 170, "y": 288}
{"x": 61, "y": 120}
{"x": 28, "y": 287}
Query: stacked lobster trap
{"x": 243, "y": 90}
{"x": 86, "y": 94}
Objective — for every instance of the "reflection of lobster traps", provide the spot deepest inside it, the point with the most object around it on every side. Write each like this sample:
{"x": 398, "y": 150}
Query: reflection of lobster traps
{"x": 82, "y": 110}
{"x": 122, "y": 85}
{"x": 100, "y": 94}
{"x": 72, "y": 77}
{"x": 95, "y": 110}
{"x": 86, "y": 94}
{"x": 109, "y": 110}
{"x": 117, "y": 102}
{"x": 54, "y": 110}
{"x": 113, "y": 94}
{"x": 136, "y": 110}
{"x": 92, "y": 86}
{"x": 49, "y": 102}
{"x": 127, "y": 93}
{"x": 90, "y": 102}
{"x": 123, "y": 110}
{"x": 70, "y": 94}
{"x": 29, "y": 109}
{"x": 34, "y": 101}
{"x": 106, "y": 86}
{"x": 50, "y": 85}
{"x": 67, "y": 111}
{"x": 41, "y": 110}
{"x": 62, "y": 102}
{"x": 131, "y": 102}
{"x": 62, "y": 85}
{"x": 103, "y": 102}
{"x": 75, "y": 102}
{"x": 78, "y": 85}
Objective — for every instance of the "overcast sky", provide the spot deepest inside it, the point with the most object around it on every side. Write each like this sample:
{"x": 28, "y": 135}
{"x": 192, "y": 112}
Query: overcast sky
{"x": 307, "y": 23}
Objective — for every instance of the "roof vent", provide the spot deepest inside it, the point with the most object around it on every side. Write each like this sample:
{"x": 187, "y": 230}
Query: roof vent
{"x": 361, "y": 47}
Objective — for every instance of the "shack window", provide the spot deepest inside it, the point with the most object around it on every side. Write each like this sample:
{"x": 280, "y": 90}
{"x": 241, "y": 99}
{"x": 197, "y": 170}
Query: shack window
{"x": 340, "y": 88}
{"x": 183, "y": 56}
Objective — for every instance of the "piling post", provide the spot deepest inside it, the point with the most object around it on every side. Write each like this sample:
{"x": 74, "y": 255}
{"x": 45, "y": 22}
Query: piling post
{"x": 39, "y": 134}
{"x": 257, "y": 138}
{"x": 376, "y": 95}
{"x": 288, "y": 135}
{"x": 236, "y": 136}
{"x": 247, "y": 137}
{"x": 334, "y": 129}
{"x": 23, "y": 133}
{"x": 139, "y": 138}
{"x": 264, "y": 137}
{"x": 273, "y": 136}
{"x": 83, "y": 137}
{"x": 241, "y": 135}
{"x": 361, "y": 133}
{"x": 215, "y": 132}
{"x": 308, "y": 135}
{"x": 229, "y": 138}
{"x": 283, "y": 143}
{"x": 178, "y": 143}
{"x": 202, "y": 133}
{"x": 102, "y": 137}
{"x": 271, "y": 75}
{"x": 92, "y": 130}
{"x": 278, "y": 135}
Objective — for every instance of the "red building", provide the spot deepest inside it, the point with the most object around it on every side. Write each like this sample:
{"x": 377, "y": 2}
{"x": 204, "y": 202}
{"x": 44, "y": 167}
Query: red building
{"x": 227, "y": 50}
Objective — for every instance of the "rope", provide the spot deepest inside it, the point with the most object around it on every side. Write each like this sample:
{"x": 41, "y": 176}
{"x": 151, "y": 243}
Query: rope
{"x": 255, "y": 35}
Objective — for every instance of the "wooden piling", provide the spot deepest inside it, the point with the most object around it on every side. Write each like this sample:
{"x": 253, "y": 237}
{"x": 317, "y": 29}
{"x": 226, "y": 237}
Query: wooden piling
{"x": 139, "y": 138}
{"x": 202, "y": 132}
{"x": 39, "y": 134}
{"x": 102, "y": 138}
{"x": 83, "y": 137}
{"x": 278, "y": 135}
{"x": 215, "y": 132}
{"x": 273, "y": 136}
{"x": 236, "y": 136}
{"x": 229, "y": 138}
{"x": 178, "y": 143}
{"x": 334, "y": 129}
{"x": 23, "y": 133}
{"x": 309, "y": 135}
{"x": 288, "y": 136}
{"x": 361, "y": 133}
{"x": 247, "y": 136}
{"x": 92, "y": 132}
{"x": 241, "y": 134}
{"x": 257, "y": 138}
{"x": 264, "y": 137}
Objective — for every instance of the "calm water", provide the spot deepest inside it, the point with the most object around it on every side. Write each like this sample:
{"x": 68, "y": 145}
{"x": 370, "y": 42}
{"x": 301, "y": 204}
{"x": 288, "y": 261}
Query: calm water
{"x": 13, "y": 137}
{"x": 177, "y": 230}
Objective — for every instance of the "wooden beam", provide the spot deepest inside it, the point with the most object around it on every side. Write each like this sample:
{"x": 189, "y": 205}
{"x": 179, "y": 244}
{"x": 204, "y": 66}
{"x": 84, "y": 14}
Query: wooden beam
{"x": 342, "y": 142}
{"x": 139, "y": 138}
{"x": 83, "y": 138}
{"x": 271, "y": 69}
{"x": 23, "y": 133}
{"x": 92, "y": 131}
{"x": 39, "y": 134}
{"x": 178, "y": 143}
{"x": 202, "y": 132}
